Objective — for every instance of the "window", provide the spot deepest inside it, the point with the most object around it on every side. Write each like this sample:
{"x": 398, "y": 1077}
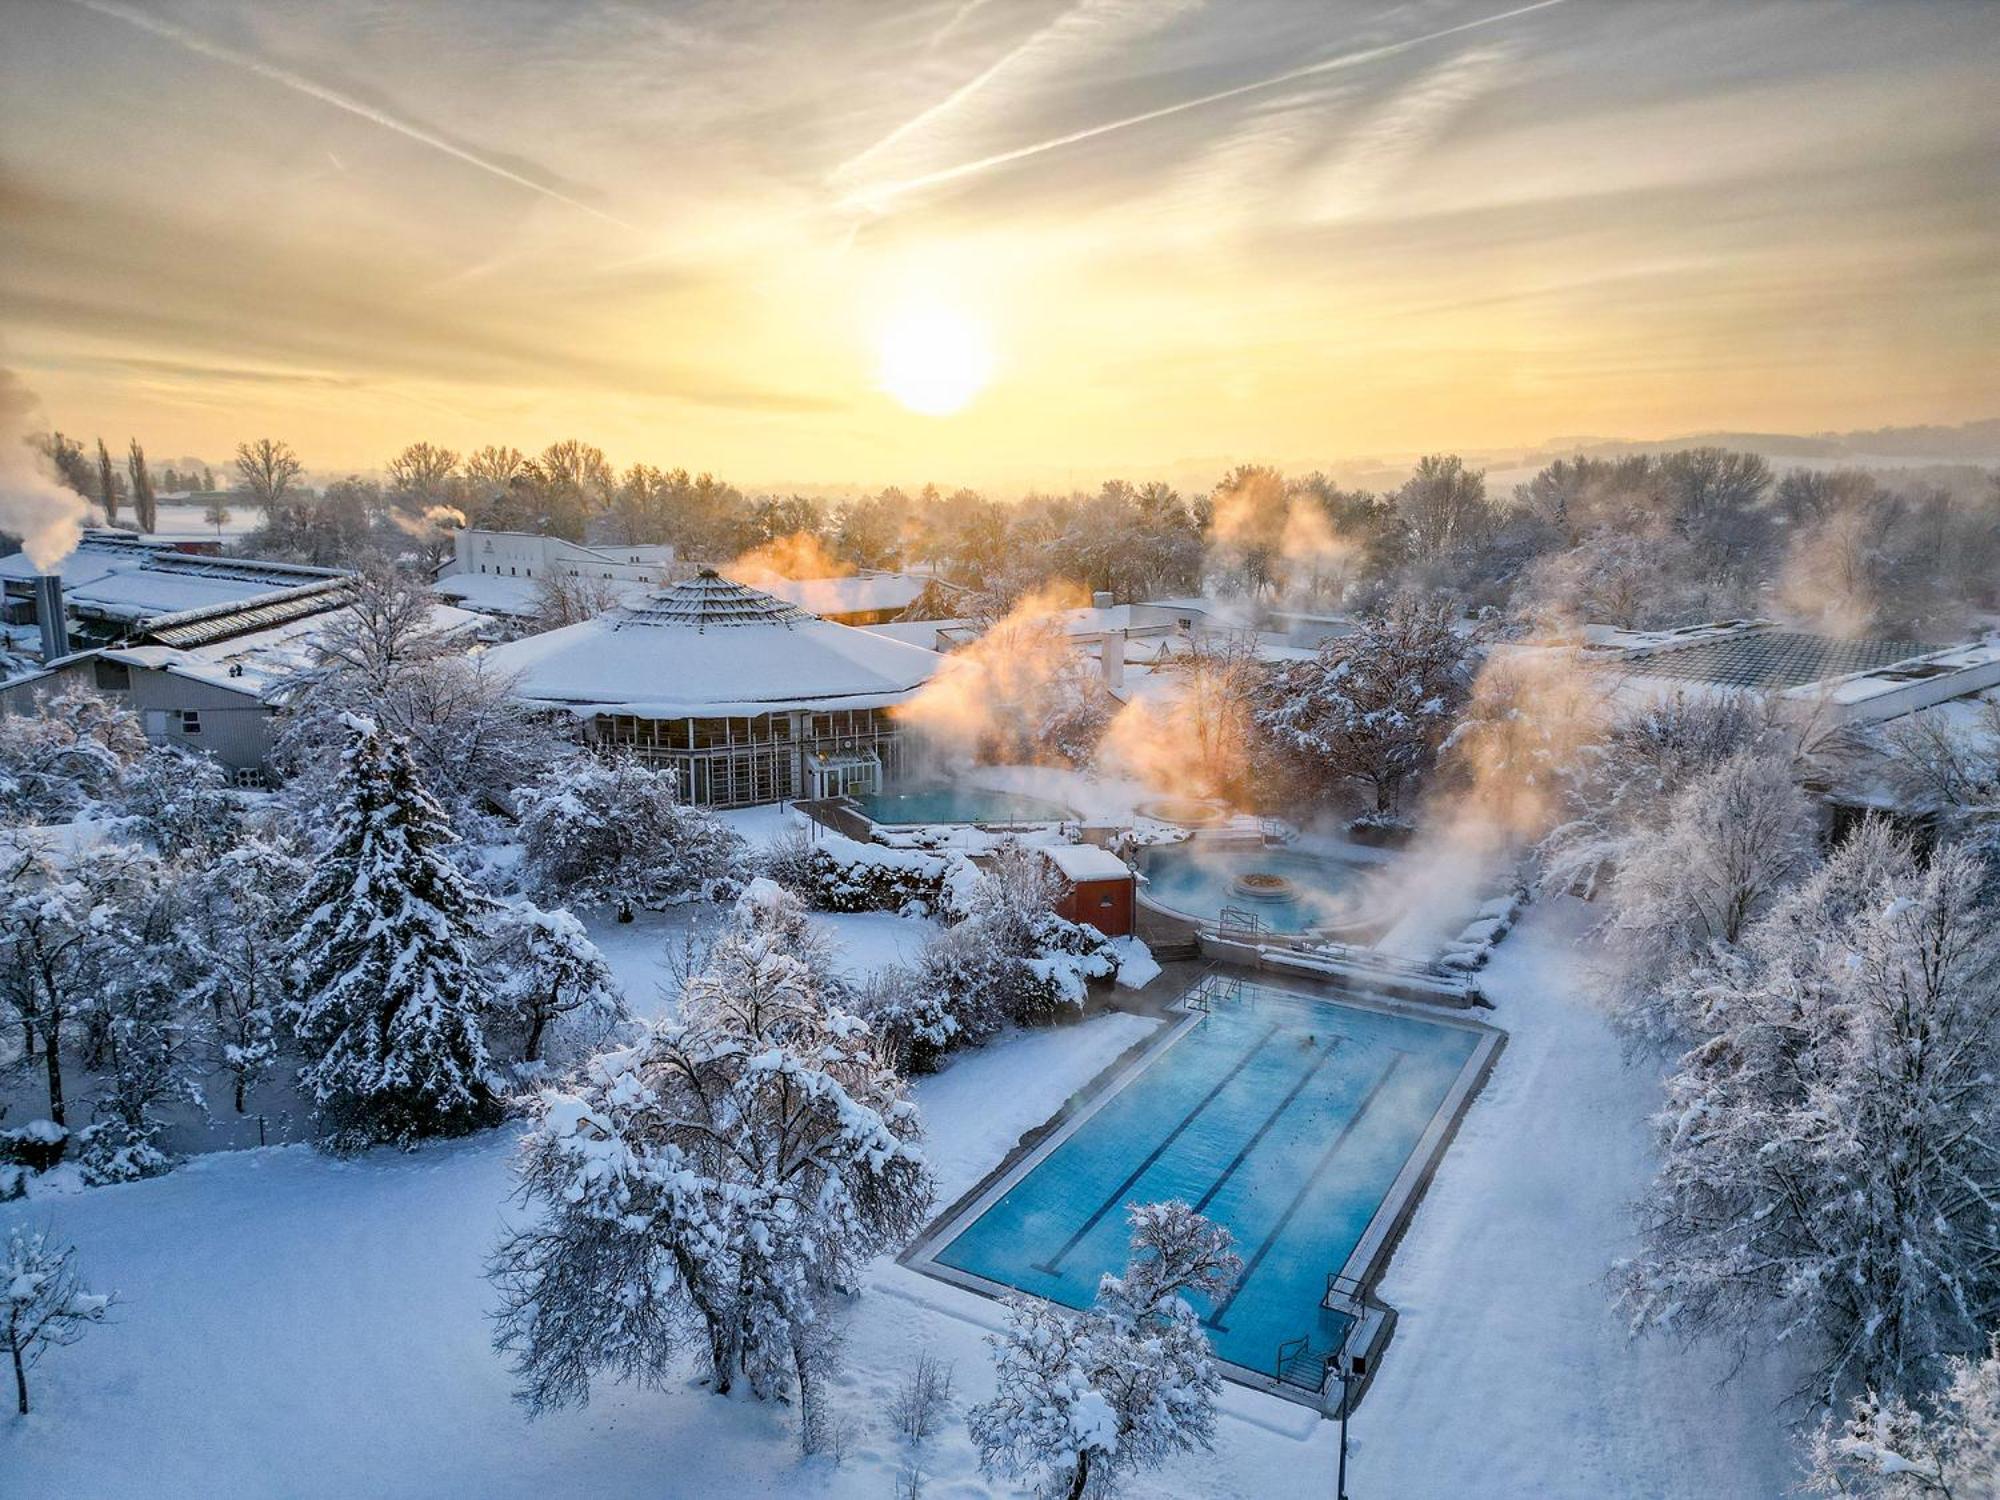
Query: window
{"x": 188, "y": 720}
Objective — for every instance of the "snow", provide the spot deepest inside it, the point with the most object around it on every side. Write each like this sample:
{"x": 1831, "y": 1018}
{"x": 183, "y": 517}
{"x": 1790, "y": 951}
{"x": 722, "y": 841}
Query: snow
{"x": 1511, "y": 1375}
{"x": 292, "y": 1324}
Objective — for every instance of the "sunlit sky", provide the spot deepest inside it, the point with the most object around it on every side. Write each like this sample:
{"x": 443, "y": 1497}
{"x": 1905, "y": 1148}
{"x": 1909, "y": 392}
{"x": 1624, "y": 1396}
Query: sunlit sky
{"x": 1144, "y": 232}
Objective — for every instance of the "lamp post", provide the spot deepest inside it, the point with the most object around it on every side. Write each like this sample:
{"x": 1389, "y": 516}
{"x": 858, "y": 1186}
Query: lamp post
{"x": 1350, "y": 1367}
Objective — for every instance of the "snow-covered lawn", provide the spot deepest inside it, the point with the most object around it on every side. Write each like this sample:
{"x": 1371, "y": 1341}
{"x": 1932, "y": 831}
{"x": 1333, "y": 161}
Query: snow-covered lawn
{"x": 297, "y": 1326}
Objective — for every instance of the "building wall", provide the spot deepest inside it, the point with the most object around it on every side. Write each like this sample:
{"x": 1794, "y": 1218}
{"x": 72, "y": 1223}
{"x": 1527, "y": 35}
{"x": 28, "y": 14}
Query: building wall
{"x": 233, "y": 727}
{"x": 517, "y": 554}
{"x": 748, "y": 761}
{"x": 1103, "y": 904}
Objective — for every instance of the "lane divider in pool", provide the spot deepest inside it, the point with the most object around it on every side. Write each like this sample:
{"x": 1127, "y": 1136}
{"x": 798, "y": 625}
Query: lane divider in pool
{"x": 1271, "y": 1119}
{"x": 1214, "y": 1319}
{"x": 1052, "y": 1265}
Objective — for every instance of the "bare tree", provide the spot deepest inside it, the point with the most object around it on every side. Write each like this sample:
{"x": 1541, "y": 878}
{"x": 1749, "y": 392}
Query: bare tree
{"x": 268, "y": 469}
{"x": 108, "y": 486}
{"x": 145, "y": 504}
{"x": 217, "y": 515}
{"x": 421, "y": 476}
{"x": 1443, "y": 505}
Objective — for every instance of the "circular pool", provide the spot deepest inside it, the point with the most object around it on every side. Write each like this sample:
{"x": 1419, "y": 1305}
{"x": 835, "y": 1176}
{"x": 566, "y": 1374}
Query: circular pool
{"x": 1286, "y": 890}
{"x": 1185, "y": 812}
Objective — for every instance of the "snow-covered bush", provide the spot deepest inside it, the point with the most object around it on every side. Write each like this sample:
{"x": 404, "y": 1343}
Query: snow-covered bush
{"x": 60, "y": 762}
{"x": 714, "y": 1185}
{"x": 44, "y": 1304}
{"x": 835, "y": 873}
{"x": 611, "y": 829}
{"x": 1086, "y": 1399}
{"x": 550, "y": 974}
{"x": 1889, "y": 1449}
{"x": 384, "y": 995}
{"x": 1830, "y": 1144}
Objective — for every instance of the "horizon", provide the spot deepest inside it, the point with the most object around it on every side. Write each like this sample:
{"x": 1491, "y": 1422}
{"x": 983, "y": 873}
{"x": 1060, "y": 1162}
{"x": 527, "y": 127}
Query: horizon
{"x": 1033, "y": 241}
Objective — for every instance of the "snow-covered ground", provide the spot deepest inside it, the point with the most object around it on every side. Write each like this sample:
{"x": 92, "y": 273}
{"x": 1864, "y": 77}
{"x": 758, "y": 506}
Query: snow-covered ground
{"x": 298, "y": 1326}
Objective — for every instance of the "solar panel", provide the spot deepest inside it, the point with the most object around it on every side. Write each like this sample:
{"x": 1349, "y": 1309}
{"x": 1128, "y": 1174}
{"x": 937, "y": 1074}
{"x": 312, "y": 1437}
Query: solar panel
{"x": 1773, "y": 659}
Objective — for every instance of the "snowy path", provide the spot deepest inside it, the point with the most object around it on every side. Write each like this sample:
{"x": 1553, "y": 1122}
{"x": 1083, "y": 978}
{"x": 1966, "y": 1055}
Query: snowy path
{"x": 1510, "y": 1376}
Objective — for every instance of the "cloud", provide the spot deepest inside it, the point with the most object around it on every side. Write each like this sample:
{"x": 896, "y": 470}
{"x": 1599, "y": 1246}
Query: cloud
{"x": 194, "y": 42}
{"x": 880, "y": 195}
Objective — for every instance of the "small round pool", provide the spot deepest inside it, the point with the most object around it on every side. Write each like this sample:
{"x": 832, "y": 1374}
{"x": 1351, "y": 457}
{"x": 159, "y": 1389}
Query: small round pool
{"x": 1286, "y": 890}
{"x": 1186, "y": 812}
{"x": 953, "y": 804}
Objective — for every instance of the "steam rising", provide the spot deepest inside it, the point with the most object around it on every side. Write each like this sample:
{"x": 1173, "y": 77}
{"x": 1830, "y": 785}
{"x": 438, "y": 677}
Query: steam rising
{"x": 47, "y": 517}
{"x": 800, "y": 558}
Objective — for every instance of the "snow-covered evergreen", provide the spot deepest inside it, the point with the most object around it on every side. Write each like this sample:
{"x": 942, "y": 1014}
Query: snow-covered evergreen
{"x": 58, "y": 763}
{"x": 1830, "y": 1162}
{"x": 713, "y": 1186}
{"x": 385, "y": 997}
{"x": 1086, "y": 1399}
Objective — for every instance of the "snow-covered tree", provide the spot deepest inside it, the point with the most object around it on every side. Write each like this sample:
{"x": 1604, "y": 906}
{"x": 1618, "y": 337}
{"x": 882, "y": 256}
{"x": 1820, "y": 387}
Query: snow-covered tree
{"x": 45, "y": 1302}
{"x": 1086, "y": 1399}
{"x": 59, "y": 762}
{"x": 384, "y": 995}
{"x": 1734, "y": 840}
{"x": 233, "y": 950}
{"x": 713, "y": 1186}
{"x": 549, "y": 973}
{"x": 387, "y": 659}
{"x": 614, "y": 830}
{"x": 1949, "y": 769}
{"x": 1889, "y": 1449}
{"x": 64, "y": 940}
{"x": 1618, "y": 790}
{"x": 1374, "y": 706}
{"x": 1831, "y": 1143}
{"x": 178, "y": 804}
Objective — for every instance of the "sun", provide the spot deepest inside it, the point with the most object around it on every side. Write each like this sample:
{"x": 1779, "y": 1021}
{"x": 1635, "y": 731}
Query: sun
{"x": 933, "y": 359}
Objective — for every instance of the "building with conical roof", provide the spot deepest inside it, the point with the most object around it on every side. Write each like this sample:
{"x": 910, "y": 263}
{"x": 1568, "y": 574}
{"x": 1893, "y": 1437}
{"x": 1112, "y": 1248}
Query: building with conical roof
{"x": 747, "y": 697}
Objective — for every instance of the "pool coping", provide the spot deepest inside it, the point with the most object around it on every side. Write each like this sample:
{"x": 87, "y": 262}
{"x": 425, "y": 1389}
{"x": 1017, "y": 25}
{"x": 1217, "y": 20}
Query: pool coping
{"x": 1364, "y": 1265}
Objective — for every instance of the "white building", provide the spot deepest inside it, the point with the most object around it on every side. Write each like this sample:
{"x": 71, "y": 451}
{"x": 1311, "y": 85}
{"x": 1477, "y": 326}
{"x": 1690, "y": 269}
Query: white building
{"x": 494, "y": 572}
{"x": 747, "y": 697}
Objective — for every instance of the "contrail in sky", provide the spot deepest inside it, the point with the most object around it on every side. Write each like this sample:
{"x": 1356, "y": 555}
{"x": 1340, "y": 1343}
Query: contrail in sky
{"x": 195, "y": 42}
{"x": 880, "y": 195}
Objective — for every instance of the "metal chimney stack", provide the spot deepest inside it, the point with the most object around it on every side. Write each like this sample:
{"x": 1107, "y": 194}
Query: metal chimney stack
{"x": 49, "y": 615}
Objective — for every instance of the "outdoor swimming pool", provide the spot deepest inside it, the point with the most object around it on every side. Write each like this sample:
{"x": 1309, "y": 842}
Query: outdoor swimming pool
{"x": 951, "y": 804}
{"x": 1303, "y": 1125}
{"x": 1286, "y": 890}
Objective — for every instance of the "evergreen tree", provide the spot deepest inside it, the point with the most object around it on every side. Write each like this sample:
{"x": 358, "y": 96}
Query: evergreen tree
{"x": 385, "y": 998}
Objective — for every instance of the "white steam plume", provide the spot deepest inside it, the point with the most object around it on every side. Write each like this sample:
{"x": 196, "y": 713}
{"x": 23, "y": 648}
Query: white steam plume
{"x": 47, "y": 517}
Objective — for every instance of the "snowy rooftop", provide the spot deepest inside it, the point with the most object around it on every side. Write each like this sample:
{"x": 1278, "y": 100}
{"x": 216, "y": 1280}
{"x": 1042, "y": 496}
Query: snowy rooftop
{"x": 124, "y": 577}
{"x": 1773, "y": 658}
{"x": 500, "y": 594}
{"x": 1080, "y": 862}
{"x": 707, "y": 647}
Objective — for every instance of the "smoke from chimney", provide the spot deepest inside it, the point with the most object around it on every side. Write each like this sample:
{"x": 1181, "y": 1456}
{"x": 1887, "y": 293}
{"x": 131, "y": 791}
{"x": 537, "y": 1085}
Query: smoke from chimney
{"x": 45, "y": 515}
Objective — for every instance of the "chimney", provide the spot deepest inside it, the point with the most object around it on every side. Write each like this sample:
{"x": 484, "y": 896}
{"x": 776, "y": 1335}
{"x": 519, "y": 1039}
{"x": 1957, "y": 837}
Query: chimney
{"x": 1102, "y": 599}
{"x": 1111, "y": 660}
{"x": 49, "y": 615}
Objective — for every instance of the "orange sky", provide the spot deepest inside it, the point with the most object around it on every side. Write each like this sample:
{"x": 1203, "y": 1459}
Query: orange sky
{"x": 1263, "y": 230}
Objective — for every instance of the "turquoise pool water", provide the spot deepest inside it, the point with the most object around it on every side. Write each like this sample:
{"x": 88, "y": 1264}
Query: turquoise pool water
{"x": 1285, "y": 1118}
{"x": 1198, "y": 881}
{"x": 950, "y": 804}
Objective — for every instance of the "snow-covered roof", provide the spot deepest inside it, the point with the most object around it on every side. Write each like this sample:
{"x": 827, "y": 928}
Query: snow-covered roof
{"x": 255, "y": 664}
{"x": 502, "y": 594}
{"x": 1080, "y": 862}
{"x": 706, "y": 648}
{"x": 124, "y": 577}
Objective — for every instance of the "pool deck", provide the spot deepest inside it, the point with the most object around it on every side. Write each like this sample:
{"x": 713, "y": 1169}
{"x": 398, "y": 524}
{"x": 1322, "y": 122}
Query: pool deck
{"x": 1371, "y": 1254}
